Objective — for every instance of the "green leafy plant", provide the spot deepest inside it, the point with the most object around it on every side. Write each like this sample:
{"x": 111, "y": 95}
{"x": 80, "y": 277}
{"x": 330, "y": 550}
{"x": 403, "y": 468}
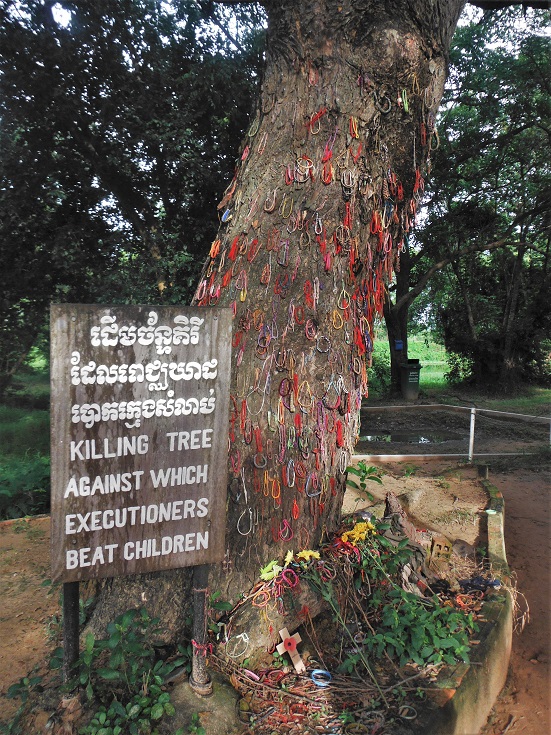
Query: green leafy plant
{"x": 24, "y": 486}
{"x": 346, "y": 717}
{"x": 22, "y": 690}
{"x": 215, "y": 603}
{"x": 195, "y": 727}
{"x": 124, "y": 677}
{"x": 217, "y": 607}
{"x": 407, "y": 627}
{"x": 414, "y": 629}
{"x": 402, "y": 625}
{"x": 365, "y": 473}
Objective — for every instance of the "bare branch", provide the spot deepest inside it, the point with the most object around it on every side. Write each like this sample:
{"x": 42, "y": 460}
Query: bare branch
{"x": 227, "y": 34}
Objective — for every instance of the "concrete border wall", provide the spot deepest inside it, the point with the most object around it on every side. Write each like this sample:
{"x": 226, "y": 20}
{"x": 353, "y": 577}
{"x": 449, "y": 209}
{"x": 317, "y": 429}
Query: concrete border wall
{"x": 466, "y": 697}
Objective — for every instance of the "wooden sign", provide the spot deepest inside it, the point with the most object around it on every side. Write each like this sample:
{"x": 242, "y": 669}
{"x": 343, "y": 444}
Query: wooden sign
{"x": 139, "y": 438}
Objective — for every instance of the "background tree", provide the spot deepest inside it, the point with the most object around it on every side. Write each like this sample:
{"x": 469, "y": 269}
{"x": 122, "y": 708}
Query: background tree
{"x": 495, "y": 314}
{"x": 488, "y": 219}
{"x": 118, "y": 125}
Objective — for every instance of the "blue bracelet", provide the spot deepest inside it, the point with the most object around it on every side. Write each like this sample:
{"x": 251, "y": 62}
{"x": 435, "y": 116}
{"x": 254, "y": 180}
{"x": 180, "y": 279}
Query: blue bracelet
{"x": 320, "y": 677}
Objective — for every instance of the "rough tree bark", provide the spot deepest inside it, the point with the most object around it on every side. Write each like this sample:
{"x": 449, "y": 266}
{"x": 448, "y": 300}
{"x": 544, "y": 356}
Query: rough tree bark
{"x": 312, "y": 226}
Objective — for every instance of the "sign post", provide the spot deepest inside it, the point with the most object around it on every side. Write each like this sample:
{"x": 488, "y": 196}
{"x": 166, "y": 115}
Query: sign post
{"x": 140, "y": 400}
{"x": 199, "y": 679}
{"x": 70, "y": 628}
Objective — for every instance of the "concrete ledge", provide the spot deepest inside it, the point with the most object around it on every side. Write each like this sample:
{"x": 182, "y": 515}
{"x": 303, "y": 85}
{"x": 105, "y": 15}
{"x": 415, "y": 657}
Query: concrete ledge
{"x": 467, "y": 694}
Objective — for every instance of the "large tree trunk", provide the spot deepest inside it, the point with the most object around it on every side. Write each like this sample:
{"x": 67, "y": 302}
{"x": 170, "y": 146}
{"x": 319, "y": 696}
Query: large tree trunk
{"x": 396, "y": 317}
{"x": 509, "y": 368}
{"x": 311, "y": 230}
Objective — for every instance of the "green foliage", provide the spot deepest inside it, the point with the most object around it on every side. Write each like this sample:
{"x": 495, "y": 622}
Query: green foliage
{"x": 30, "y": 386}
{"x": 22, "y": 690}
{"x": 460, "y": 368}
{"x": 405, "y": 627}
{"x": 346, "y": 717}
{"x": 477, "y": 268}
{"x": 119, "y": 127}
{"x": 379, "y": 372}
{"x": 490, "y": 204}
{"x": 215, "y": 603}
{"x": 195, "y": 727}
{"x": 422, "y": 345}
{"x": 24, "y": 486}
{"x": 408, "y": 627}
{"x": 122, "y": 676}
{"x": 413, "y": 629}
{"x": 24, "y": 450}
{"x": 217, "y": 607}
{"x": 365, "y": 473}
{"x": 24, "y": 432}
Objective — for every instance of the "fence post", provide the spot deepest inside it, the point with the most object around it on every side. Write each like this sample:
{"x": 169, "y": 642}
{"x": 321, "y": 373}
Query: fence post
{"x": 471, "y": 435}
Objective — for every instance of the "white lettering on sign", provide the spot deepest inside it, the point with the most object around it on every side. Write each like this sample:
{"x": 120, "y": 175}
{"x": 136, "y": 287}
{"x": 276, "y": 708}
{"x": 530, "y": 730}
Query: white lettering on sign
{"x": 169, "y": 545}
{"x": 76, "y": 558}
{"x": 110, "y": 334}
{"x": 156, "y": 373}
{"x": 175, "y": 476}
{"x": 178, "y": 544}
{"x": 122, "y": 446}
{"x": 104, "y": 484}
{"x": 135, "y": 515}
{"x": 132, "y": 412}
{"x": 197, "y": 439}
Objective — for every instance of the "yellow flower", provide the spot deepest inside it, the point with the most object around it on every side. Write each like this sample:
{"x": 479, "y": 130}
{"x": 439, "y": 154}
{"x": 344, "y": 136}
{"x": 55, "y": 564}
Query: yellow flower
{"x": 288, "y": 558}
{"x": 308, "y": 554}
{"x": 358, "y": 533}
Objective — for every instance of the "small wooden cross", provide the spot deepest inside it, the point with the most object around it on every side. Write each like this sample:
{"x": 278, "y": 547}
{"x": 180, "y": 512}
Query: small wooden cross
{"x": 289, "y": 645}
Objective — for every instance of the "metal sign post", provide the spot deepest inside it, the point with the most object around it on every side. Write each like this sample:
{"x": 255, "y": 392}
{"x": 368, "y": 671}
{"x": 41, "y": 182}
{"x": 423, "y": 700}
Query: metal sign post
{"x": 70, "y": 629}
{"x": 200, "y": 680}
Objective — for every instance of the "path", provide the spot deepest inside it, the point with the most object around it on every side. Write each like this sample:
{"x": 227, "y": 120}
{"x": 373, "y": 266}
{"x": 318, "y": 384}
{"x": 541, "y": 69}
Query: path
{"x": 524, "y": 705}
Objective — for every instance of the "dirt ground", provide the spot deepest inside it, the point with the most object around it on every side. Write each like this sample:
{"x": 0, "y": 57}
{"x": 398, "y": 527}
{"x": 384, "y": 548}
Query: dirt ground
{"x": 419, "y": 429}
{"x": 524, "y": 705}
{"x": 28, "y": 608}
{"x": 29, "y": 612}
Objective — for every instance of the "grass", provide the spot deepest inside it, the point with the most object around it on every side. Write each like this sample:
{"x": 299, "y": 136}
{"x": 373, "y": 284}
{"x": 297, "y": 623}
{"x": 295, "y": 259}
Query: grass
{"x": 431, "y": 355}
{"x": 530, "y": 400}
{"x": 30, "y": 389}
{"x": 534, "y": 401}
{"x": 25, "y": 445}
{"x": 24, "y": 431}
{"x": 421, "y": 347}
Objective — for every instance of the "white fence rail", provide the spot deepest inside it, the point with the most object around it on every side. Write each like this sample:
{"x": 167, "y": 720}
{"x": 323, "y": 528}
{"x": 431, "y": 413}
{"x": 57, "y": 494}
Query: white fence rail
{"x": 470, "y": 455}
